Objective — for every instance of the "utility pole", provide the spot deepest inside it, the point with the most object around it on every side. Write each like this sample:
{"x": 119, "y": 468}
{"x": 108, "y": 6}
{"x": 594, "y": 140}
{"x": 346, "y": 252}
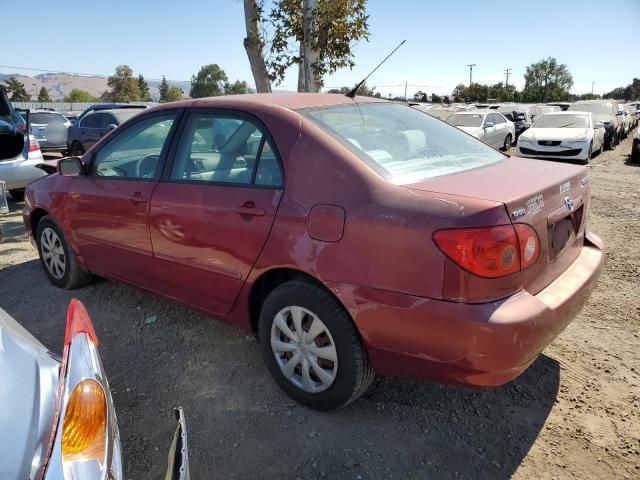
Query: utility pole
{"x": 507, "y": 72}
{"x": 592, "y": 83}
{"x": 471, "y": 65}
{"x": 405, "y": 90}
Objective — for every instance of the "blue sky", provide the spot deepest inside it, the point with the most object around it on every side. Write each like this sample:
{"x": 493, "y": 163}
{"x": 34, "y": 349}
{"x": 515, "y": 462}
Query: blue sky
{"x": 599, "y": 40}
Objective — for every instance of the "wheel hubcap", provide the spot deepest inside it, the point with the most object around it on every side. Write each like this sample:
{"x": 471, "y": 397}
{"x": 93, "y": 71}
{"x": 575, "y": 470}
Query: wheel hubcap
{"x": 304, "y": 349}
{"x": 53, "y": 253}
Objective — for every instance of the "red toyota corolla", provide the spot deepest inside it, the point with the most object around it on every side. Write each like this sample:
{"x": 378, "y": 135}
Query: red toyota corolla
{"x": 352, "y": 236}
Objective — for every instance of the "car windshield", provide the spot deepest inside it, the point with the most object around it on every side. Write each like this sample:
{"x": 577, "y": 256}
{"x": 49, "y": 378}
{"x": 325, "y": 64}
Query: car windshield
{"x": 562, "y": 121}
{"x": 47, "y": 119}
{"x": 597, "y": 108}
{"x": 465, "y": 120}
{"x": 401, "y": 143}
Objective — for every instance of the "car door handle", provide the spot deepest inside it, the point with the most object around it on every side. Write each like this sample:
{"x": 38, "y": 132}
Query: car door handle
{"x": 249, "y": 208}
{"x": 137, "y": 198}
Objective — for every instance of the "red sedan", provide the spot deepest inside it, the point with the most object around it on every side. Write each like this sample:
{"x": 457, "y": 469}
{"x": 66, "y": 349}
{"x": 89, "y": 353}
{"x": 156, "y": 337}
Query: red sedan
{"x": 352, "y": 236}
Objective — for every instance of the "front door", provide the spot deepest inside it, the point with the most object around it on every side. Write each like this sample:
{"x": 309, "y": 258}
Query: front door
{"x": 212, "y": 213}
{"x": 109, "y": 208}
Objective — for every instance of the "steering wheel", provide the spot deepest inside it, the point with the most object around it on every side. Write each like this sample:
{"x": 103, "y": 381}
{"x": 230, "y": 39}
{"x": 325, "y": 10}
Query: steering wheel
{"x": 146, "y": 166}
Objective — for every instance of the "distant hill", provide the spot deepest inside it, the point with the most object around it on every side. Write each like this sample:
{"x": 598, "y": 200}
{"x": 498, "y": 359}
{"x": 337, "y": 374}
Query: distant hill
{"x": 60, "y": 84}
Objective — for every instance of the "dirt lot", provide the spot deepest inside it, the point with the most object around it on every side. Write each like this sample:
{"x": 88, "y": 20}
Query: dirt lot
{"x": 574, "y": 413}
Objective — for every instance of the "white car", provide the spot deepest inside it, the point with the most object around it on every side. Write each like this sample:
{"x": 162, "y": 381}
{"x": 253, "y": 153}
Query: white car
{"x": 18, "y": 171}
{"x": 491, "y": 127}
{"x": 571, "y": 135}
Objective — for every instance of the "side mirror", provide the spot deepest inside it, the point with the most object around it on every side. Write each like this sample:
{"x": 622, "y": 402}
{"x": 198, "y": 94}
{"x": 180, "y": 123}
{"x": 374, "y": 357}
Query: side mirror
{"x": 111, "y": 126}
{"x": 488, "y": 125}
{"x": 71, "y": 167}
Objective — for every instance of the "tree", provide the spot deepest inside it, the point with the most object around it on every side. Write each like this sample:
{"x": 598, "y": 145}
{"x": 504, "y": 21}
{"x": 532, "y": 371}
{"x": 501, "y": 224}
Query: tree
{"x": 174, "y": 94}
{"x": 143, "y": 86}
{"x": 124, "y": 87}
{"x": 420, "y": 96}
{"x": 316, "y": 35}
{"x": 630, "y": 92}
{"x": 436, "y": 98}
{"x": 79, "y": 96}
{"x": 547, "y": 80}
{"x": 17, "y": 90}
{"x": 236, "y": 88}
{"x": 43, "y": 96}
{"x": 362, "y": 90}
{"x": 254, "y": 45}
{"x": 163, "y": 89}
{"x": 209, "y": 82}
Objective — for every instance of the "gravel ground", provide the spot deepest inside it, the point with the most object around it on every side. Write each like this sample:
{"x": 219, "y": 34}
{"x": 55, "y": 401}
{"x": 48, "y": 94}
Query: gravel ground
{"x": 574, "y": 413}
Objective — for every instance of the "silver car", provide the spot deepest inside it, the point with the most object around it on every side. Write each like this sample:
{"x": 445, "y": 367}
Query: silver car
{"x": 491, "y": 127}
{"x": 50, "y": 130}
{"x": 57, "y": 419}
{"x": 21, "y": 169}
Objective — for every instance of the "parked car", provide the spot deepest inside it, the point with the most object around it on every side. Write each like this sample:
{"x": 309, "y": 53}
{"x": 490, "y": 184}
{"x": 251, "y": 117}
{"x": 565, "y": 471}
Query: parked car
{"x": 491, "y": 127}
{"x": 440, "y": 113}
{"x": 568, "y": 135}
{"x": 605, "y": 111}
{"x": 94, "y": 125}
{"x": 352, "y": 236}
{"x": 520, "y": 117}
{"x": 71, "y": 116}
{"x": 635, "y": 148}
{"x": 110, "y": 106}
{"x": 60, "y": 419}
{"x": 50, "y": 129}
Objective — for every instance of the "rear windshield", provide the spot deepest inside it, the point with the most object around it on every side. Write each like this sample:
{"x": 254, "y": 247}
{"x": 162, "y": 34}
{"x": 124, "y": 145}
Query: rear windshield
{"x": 465, "y": 120}
{"x": 401, "y": 143}
{"x": 562, "y": 121}
{"x": 48, "y": 118}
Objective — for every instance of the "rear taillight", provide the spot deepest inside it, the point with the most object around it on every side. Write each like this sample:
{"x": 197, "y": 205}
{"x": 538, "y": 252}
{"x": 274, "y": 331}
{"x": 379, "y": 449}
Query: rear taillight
{"x": 490, "y": 252}
{"x": 34, "y": 146}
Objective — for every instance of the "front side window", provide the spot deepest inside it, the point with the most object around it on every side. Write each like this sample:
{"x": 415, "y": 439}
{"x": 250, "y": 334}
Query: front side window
{"x": 108, "y": 119}
{"x": 92, "y": 121}
{"x": 402, "y": 144}
{"x": 225, "y": 149}
{"x": 135, "y": 152}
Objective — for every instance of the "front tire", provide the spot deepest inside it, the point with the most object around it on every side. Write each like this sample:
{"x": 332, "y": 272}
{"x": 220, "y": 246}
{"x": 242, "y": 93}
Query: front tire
{"x": 58, "y": 259}
{"x": 589, "y": 155}
{"x": 311, "y": 346}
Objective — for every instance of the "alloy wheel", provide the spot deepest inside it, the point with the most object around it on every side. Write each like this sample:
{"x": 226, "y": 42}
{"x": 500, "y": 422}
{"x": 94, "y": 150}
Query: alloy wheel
{"x": 53, "y": 253}
{"x": 304, "y": 349}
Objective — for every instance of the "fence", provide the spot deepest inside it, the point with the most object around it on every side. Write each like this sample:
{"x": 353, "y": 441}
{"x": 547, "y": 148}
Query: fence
{"x": 63, "y": 106}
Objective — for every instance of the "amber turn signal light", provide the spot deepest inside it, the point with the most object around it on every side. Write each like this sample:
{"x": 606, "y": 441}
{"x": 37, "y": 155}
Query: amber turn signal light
{"x": 85, "y": 418}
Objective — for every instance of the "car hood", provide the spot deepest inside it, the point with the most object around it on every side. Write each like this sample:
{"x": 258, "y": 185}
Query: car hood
{"x": 27, "y": 394}
{"x": 471, "y": 130}
{"x": 536, "y": 134}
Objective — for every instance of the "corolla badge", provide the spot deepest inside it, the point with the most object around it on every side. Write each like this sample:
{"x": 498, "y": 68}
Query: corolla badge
{"x": 568, "y": 201}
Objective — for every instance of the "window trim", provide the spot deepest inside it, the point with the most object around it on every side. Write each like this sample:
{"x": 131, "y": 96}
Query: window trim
{"x": 179, "y": 113}
{"x": 229, "y": 113}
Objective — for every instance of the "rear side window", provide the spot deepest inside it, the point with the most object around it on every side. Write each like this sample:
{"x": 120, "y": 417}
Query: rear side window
{"x": 91, "y": 121}
{"x": 225, "y": 149}
{"x": 401, "y": 143}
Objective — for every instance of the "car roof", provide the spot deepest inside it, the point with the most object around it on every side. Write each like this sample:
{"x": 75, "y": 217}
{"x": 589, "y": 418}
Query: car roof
{"x": 569, "y": 112}
{"x": 290, "y": 101}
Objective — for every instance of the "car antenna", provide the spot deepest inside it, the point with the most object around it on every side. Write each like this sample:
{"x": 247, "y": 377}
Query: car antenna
{"x": 352, "y": 93}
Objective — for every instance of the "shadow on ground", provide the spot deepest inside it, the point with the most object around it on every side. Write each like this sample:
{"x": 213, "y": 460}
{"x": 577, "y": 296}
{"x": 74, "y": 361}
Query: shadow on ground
{"x": 241, "y": 425}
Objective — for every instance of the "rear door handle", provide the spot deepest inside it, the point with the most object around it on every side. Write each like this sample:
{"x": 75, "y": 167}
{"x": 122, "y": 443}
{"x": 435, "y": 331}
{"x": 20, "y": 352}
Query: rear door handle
{"x": 249, "y": 208}
{"x": 137, "y": 198}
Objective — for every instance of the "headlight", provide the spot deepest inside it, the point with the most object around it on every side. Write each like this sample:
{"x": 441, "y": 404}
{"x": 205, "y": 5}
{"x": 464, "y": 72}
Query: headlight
{"x": 84, "y": 424}
{"x": 576, "y": 141}
{"x": 525, "y": 141}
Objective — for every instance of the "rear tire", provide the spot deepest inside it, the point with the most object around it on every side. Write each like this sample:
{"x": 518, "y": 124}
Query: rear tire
{"x": 58, "y": 259}
{"x": 589, "y": 155}
{"x": 507, "y": 143}
{"x": 319, "y": 314}
{"x": 17, "y": 194}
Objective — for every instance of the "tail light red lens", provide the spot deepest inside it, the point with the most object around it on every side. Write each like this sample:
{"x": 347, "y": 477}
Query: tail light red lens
{"x": 490, "y": 252}
{"x": 34, "y": 146}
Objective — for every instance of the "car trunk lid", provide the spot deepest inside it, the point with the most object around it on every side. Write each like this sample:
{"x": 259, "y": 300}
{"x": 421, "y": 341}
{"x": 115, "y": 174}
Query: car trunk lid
{"x": 552, "y": 197}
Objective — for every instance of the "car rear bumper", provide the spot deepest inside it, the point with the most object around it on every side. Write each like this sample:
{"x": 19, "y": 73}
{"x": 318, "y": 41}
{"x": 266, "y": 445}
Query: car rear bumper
{"x": 474, "y": 344}
{"x": 18, "y": 173}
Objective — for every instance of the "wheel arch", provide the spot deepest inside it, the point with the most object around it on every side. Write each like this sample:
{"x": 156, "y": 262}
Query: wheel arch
{"x": 37, "y": 214}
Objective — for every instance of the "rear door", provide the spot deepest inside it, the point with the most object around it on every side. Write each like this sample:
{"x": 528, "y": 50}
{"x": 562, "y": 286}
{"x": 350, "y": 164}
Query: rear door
{"x": 213, "y": 211}
{"x": 108, "y": 209}
{"x": 89, "y": 129}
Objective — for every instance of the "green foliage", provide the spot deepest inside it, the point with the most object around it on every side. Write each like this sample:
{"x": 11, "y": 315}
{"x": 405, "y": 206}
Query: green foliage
{"x": 236, "y": 88}
{"x": 124, "y": 87}
{"x": 163, "y": 88}
{"x": 79, "y": 96}
{"x": 43, "y": 96}
{"x": 420, "y": 96}
{"x": 17, "y": 90}
{"x": 547, "y": 80}
{"x": 174, "y": 94}
{"x": 337, "y": 25}
{"x": 630, "y": 92}
{"x": 436, "y": 98}
{"x": 362, "y": 90}
{"x": 209, "y": 82}
{"x": 143, "y": 86}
